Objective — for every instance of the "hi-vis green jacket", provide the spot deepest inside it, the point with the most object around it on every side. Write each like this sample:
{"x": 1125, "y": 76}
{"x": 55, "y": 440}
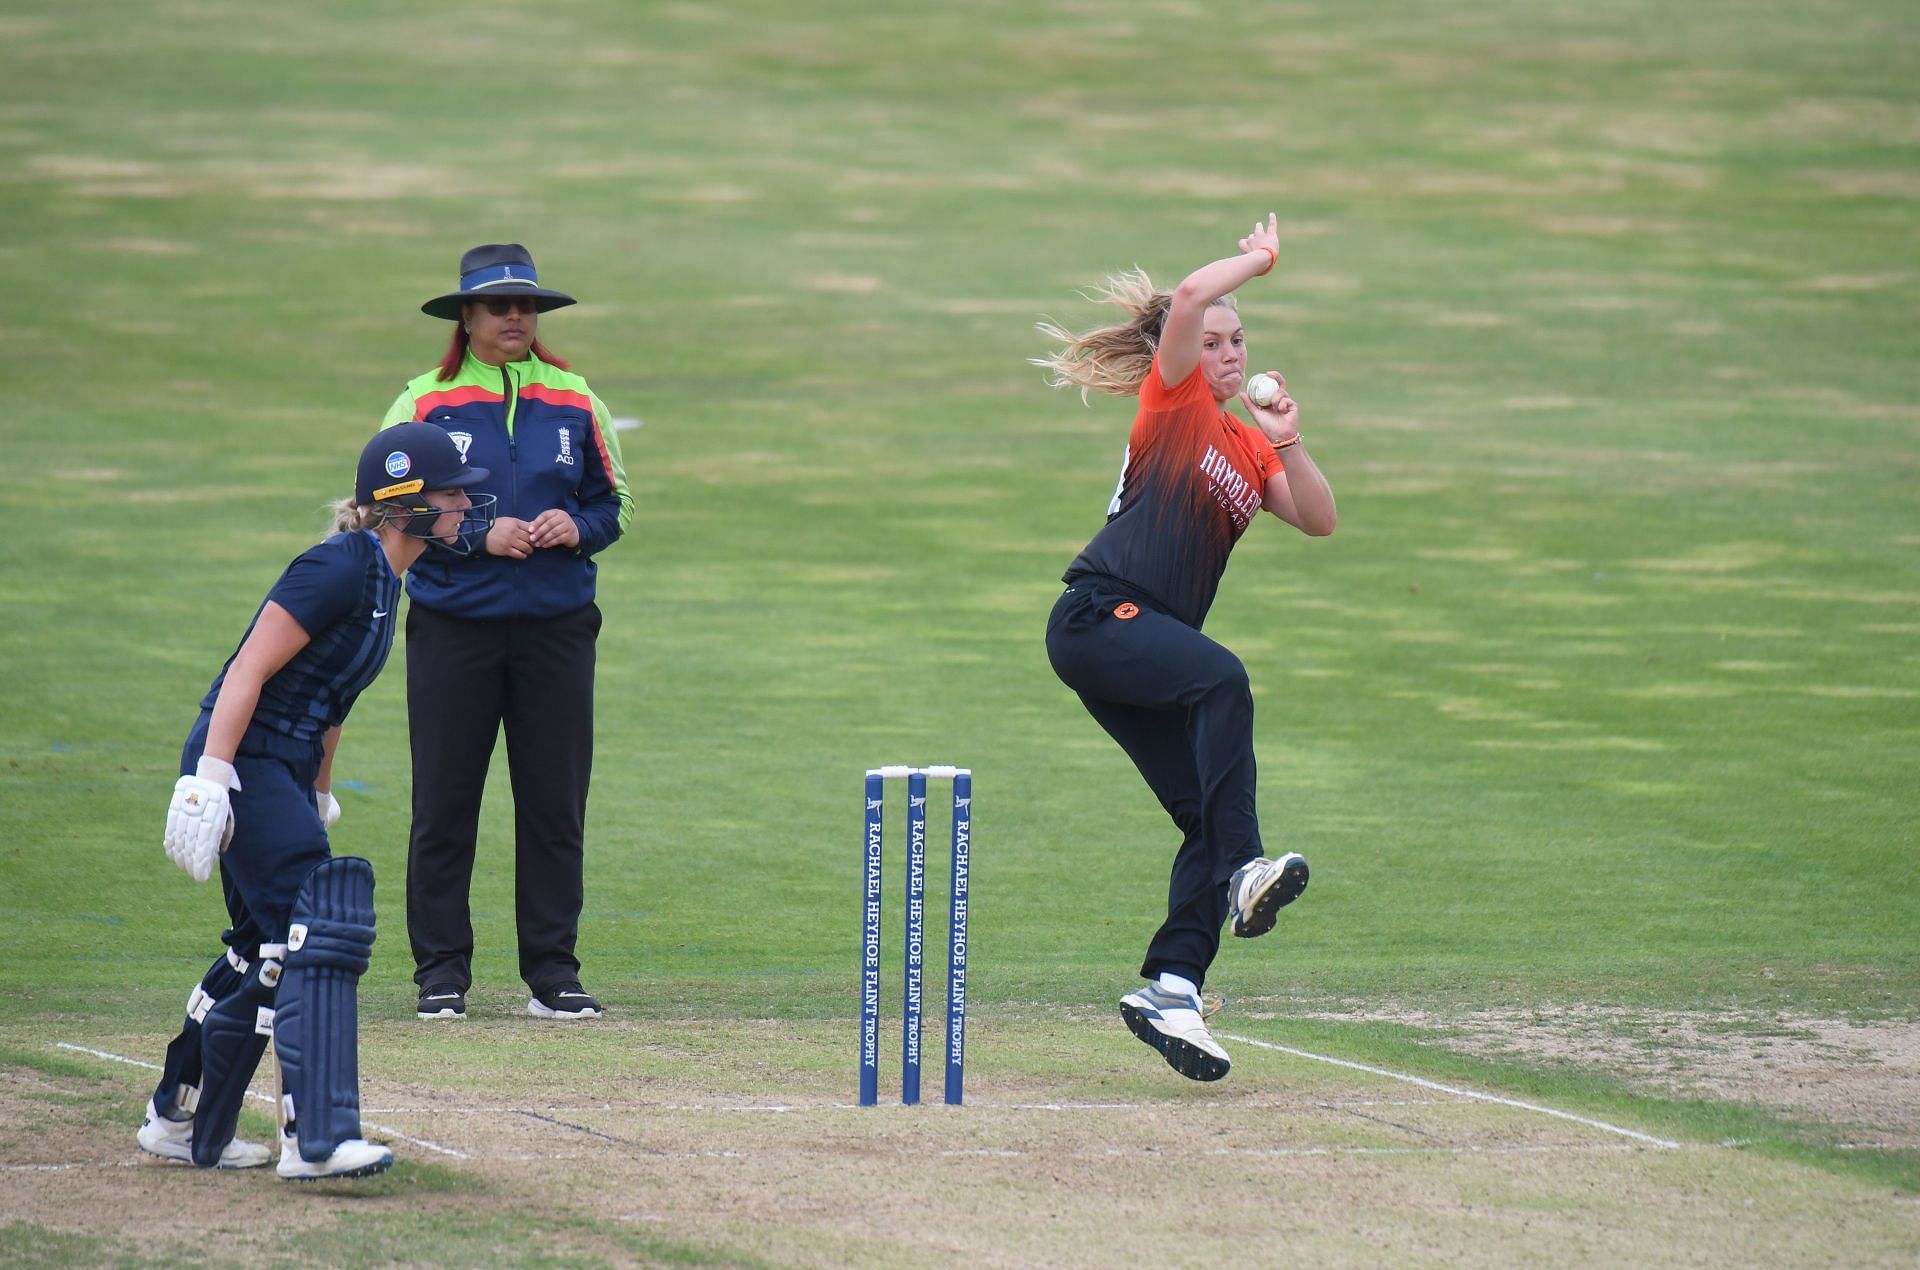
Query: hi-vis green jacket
{"x": 546, "y": 441}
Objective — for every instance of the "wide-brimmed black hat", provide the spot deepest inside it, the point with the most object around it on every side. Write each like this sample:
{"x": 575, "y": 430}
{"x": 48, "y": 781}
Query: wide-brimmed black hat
{"x": 496, "y": 269}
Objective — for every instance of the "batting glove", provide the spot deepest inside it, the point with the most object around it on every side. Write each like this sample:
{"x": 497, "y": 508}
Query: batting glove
{"x": 328, "y": 806}
{"x": 200, "y": 818}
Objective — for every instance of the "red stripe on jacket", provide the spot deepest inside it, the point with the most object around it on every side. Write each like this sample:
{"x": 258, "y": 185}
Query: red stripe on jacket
{"x": 424, "y": 406}
{"x": 558, "y": 396}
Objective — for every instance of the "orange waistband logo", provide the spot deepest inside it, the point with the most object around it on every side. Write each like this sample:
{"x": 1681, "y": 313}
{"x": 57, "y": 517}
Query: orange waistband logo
{"x": 1127, "y": 610}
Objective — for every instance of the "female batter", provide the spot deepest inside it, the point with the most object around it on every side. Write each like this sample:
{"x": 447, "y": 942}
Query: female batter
{"x": 255, "y": 795}
{"x": 1126, "y": 634}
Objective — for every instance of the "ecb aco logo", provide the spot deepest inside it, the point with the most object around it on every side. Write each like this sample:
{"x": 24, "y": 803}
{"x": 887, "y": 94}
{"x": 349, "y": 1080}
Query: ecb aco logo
{"x": 566, "y": 448}
{"x": 463, "y": 441}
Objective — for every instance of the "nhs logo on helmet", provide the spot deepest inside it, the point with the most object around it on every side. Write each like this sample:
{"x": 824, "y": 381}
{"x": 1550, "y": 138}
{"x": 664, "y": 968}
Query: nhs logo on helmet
{"x": 399, "y": 463}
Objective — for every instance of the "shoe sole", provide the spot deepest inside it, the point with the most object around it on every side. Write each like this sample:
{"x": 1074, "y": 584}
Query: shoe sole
{"x": 448, "y": 1013}
{"x": 1288, "y": 881}
{"x": 187, "y": 1159}
{"x": 365, "y": 1170}
{"x": 1189, "y": 1060}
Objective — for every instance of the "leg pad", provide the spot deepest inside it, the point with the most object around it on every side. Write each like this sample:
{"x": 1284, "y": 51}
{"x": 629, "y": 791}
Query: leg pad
{"x": 233, "y": 1036}
{"x": 316, "y": 1029}
{"x": 178, "y": 1092}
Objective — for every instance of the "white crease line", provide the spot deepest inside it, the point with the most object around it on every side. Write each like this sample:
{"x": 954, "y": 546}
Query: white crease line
{"x": 777, "y": 1108}
{"x": 1535, "y": 1149}
{"x": 796, "y": 1108}
{"x": 1550, "y": 1148}
{"x": 527, "y": 1156}
{"x": 377, "y": 1128}
{"x": 1341, "y": 1104}
{"x": 61, "y": 1168}
{"x": 1636, "y": 1135}
{"x": 392, "y": 1132}
{"x": 1033, "y": 1106}
{"x": 118, "y": 1058}
{"x": 1649, "y": 1139}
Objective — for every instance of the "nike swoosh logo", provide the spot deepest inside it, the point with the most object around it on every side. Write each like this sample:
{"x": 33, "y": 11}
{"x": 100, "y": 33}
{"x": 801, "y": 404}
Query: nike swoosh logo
{"x": 380, "y": 612}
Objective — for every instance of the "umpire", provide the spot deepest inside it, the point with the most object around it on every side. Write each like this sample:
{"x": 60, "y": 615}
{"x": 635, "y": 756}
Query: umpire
{"x": 505, "y": 637}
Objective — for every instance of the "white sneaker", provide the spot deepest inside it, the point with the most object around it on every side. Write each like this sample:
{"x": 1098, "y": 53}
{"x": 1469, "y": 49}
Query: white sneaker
{"x": 1261, "y": 888}
{"x": 356, "y": 1157}
{"x": 173, "y": 1140}
{"x": 1171, "y": 1022}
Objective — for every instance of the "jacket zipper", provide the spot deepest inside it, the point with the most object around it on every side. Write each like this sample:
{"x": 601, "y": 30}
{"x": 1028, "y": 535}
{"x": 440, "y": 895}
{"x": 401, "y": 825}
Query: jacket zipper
{"x": 512, "y": 393}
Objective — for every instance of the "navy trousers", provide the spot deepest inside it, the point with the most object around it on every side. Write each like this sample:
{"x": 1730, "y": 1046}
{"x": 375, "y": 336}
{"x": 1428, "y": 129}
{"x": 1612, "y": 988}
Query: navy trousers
{"x": 277, "y": 841}
{"x": 1180, "y": 706}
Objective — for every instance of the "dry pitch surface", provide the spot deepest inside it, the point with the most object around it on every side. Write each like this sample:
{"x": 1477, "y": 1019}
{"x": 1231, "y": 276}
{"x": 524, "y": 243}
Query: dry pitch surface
{"x": 736, "y": 1142}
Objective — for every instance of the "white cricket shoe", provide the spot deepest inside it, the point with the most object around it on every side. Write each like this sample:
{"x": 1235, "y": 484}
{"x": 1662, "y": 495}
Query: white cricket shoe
{"x": 356, "y": 1157}
{"x": 1172, "y": 1023}
{"x": 1261, "y": 888}
{"x": 173, "y": 1140}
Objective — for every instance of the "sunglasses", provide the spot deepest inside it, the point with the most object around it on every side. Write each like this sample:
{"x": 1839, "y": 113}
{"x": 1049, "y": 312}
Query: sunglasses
{"x": 500, "y": 308}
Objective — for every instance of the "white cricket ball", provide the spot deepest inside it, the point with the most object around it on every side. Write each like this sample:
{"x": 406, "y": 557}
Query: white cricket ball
{"x": 1264, "y": 389}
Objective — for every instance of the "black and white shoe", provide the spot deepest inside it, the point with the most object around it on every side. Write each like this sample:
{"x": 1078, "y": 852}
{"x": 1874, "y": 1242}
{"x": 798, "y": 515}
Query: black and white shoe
{"x": 563, "y": 1001}
{"x": 1261, "y": 888}
{"x": 442, "y": 1001}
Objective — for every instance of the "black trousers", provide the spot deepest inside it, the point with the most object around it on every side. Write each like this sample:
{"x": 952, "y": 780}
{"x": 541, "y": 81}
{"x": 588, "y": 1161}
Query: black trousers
{"x": 1180, "y": 706}
{"x": 465, "y": 680}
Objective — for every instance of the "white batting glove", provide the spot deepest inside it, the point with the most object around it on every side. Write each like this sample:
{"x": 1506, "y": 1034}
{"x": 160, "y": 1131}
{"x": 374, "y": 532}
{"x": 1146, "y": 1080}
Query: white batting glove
{"x": 200, "y": 818}
{"x": 328, "y": 806}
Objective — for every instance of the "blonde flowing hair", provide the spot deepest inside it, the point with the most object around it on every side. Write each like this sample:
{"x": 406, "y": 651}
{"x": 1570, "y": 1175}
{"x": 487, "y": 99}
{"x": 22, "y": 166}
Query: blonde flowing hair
{"x": 349, "y": 517}
{"x": 1112, "y": 359}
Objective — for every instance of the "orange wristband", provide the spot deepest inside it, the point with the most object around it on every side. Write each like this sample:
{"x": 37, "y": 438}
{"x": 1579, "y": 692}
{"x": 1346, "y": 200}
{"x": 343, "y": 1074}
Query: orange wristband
{"x": 1292, "y": 440}
{"x": 1273, "y": 258}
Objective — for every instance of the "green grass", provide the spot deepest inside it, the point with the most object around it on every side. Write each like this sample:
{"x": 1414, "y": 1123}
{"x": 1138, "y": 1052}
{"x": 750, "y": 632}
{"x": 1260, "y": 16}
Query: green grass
{"x": 1603, "y": 322}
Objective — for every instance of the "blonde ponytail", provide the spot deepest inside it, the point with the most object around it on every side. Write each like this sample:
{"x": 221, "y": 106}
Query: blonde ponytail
{"x": 1112, "y": 359}
{"x": 349, "y": 517}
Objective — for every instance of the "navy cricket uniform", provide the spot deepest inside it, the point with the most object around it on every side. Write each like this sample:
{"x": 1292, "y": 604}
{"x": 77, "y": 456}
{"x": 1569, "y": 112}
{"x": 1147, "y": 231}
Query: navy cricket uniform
{"x": 346, "y": 596}
{"x": 1126, "y": 637}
